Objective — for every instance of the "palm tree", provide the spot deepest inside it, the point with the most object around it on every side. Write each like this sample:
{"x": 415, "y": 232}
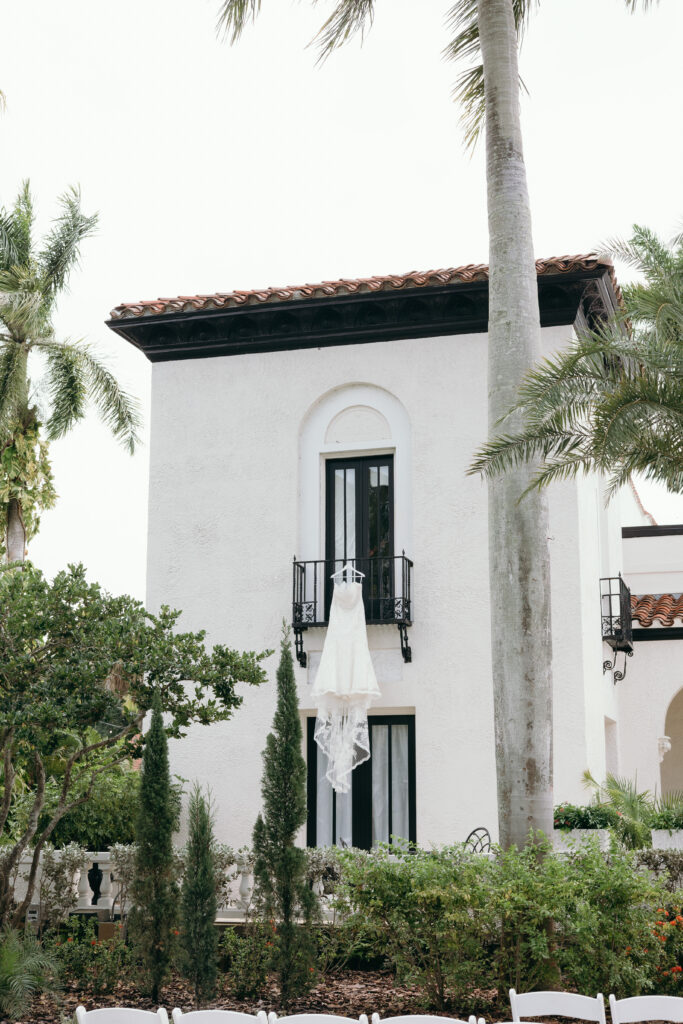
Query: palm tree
{"x": 486, "y": 33}
{"x": 31, "y": 280}
{"x": 612, "y": 401}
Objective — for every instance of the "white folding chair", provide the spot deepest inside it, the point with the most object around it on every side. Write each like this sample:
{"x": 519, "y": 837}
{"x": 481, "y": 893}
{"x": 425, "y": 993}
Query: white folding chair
{"x": 218, "y": 1017}
{"x": 120, "y": 1015}
{"x": 640, "y": 1008}
{"x": 316, "y": 1018}
{"x": 557, "y": 1004}
{"x": 423, "y": 1018}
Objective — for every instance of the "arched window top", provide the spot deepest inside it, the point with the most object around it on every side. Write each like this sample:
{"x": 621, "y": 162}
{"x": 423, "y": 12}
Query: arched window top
{"x": 353, "y": 419}
{"x": 357, "y": 424}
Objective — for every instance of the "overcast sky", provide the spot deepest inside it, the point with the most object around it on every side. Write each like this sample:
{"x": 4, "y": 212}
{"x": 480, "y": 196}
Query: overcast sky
{"x": 216, "y": 168}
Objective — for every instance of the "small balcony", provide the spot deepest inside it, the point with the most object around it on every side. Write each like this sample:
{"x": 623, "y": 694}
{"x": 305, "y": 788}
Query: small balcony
{"x": 387, "y": 588}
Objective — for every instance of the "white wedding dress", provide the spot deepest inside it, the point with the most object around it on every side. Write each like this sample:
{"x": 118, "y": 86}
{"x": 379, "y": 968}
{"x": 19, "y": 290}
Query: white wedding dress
{"x": 344, "y": 687}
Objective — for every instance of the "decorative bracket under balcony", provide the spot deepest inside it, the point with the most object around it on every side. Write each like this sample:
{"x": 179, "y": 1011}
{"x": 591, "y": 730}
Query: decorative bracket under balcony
{"x": 387, "y": 587}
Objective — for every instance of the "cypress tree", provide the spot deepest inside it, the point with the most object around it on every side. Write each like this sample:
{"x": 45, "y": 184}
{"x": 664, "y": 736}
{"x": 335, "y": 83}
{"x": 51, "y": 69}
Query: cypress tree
{"x": 153, "y": 920}
{"x": 198, "y": 936}
{"x": 280, "y": 866}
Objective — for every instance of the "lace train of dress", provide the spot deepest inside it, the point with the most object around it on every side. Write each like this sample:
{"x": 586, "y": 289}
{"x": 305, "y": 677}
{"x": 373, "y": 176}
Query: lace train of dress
{"x": 344, "y": 687}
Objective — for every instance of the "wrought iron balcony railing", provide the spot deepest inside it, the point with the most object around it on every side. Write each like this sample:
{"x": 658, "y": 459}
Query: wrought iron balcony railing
{"x": 387, "y": 587}
{"x": 615, "y": 611}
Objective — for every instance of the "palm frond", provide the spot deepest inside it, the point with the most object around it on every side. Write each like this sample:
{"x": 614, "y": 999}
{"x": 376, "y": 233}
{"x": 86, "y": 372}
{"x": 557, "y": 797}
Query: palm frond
{"x": 633, "y": 5}
{"x": 61, "y": 248}
{"x": 23, "y": 216}
{"x": 66, "y": 388}
{"x": 347, "y": 19}
{"x": 612, "y": 401}
{"x": 234, "y": 15}
{"x": 81, "y": 374}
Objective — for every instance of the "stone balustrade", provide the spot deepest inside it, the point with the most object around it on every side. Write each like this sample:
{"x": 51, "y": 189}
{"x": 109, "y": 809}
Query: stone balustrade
{"x": 97, "y": 890}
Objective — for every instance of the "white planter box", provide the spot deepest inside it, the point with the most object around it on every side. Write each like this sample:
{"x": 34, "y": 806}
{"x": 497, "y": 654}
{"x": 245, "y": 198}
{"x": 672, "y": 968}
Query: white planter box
{"x": 662, "y": 839}
{"x": 566, "y": 840}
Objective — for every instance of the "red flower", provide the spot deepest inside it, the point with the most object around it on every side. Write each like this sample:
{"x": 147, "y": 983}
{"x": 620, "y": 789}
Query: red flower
{"x": 70, "y": 939}
{"x": 94, "y": 942}
{"x": 677, "y": 969}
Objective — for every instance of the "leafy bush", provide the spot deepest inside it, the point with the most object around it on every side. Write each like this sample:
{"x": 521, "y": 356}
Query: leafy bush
{"x": 422, "y": 908}
{"x": 26, "y": 969}
{"x": 248, "y": 957}
{"x": 633, "y": 832}
{"x": 88, "y": 963}
{"x": 452, "y": 922}
{"x": 56, "y": 891}
{"x": 107, "y": 817}
{"x": 606, "y": 942}
{"x": 668, "y": 932}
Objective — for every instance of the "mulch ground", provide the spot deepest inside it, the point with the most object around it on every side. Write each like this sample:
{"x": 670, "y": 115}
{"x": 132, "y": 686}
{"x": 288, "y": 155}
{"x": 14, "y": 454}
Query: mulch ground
{"x": 348, "y": 994}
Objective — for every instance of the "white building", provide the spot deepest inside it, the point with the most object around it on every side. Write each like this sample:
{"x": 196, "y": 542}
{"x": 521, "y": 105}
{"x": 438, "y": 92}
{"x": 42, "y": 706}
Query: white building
{"x": 336, "y": 422}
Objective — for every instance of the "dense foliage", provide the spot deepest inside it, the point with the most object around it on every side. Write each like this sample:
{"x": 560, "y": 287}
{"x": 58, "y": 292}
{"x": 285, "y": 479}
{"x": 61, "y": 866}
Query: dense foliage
{"x": 153, "y": 921}
{"x": 78, "y": 670}
{"x": 280, "y": 867}
{"x": 108, "y": 816}
{"x": 199, "y": 939}
{"x": 454, "y": 923}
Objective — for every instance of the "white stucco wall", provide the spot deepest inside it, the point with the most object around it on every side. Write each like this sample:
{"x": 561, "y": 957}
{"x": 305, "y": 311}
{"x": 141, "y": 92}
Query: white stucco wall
{"x": 653, "y": 678}
{"x": 236, "y": 462}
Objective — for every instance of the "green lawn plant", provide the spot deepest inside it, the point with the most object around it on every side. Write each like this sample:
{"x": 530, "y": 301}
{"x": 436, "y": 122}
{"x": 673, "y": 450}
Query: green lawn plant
{"x": 153, "y": 921}
{"x": 280, "y": 869}
{"x": 199, "y": 939}
{"x": 78, "y": 671}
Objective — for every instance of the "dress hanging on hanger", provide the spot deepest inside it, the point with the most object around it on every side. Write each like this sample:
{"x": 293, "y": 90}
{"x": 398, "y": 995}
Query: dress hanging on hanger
{"x": 345, "y": 685}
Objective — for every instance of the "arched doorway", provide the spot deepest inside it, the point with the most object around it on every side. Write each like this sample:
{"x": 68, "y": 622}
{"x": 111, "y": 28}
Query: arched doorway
{"x": 672, "y": 765}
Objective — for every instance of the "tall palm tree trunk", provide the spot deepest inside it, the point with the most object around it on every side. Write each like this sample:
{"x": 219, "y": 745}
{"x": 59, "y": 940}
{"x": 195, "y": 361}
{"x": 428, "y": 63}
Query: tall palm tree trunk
{"x": 16, "y": 532}
{"x": 519, "y": 567}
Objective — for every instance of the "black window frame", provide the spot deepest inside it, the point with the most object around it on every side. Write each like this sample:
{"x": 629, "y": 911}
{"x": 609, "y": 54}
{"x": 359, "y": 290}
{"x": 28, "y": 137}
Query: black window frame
{"x": 361, "y": 781}
{"x": 376, "y": 609}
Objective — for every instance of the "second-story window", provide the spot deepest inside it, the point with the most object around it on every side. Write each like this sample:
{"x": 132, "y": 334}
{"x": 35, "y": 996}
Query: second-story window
{"x": 359, "y": 521}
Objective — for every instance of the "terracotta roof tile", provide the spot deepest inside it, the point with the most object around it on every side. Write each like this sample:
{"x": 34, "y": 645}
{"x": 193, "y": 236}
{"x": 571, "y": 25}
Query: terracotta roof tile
{"x": 348, "y": 286}
{"x": 664, "y": 608}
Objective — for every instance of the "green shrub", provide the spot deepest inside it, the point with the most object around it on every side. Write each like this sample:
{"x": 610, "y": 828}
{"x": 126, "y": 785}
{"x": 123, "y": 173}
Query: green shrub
{"x": 668, "y": 932}
{"x": 88, "y": 963}
{"x": 26, "y": 969}
{"x": 248, "y": 957}
{"x": 633, "y": 832}
{"x": 569, "y": 816}
{"x": 525, "y": 891}
{"x": 607, "y": 942}
{"x": 423, "y": 908}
